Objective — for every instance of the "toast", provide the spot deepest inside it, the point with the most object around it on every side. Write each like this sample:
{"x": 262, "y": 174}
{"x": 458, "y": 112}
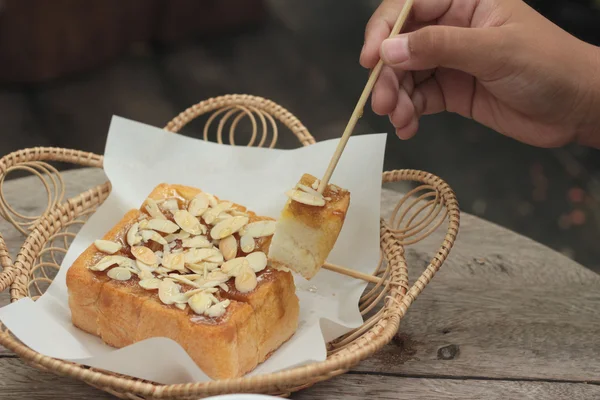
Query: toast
{"x": 308, "y": 227}
{"x": 192, "y": 268}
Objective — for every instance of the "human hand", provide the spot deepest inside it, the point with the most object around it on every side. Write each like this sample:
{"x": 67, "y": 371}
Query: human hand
{"x": 498, "y": 62}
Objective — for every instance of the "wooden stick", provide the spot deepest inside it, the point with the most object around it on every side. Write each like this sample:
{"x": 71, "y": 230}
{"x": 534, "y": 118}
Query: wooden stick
{"x": 351, "y": 273}
{"x": 358, "y": 110}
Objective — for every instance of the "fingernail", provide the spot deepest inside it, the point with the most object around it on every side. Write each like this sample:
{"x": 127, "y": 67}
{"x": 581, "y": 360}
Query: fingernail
{"x": 395, "y": 50}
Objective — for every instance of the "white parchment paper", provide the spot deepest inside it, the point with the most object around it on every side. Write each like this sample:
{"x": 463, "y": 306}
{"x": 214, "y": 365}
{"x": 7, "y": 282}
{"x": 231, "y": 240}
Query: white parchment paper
{"x": 137, "y": 158}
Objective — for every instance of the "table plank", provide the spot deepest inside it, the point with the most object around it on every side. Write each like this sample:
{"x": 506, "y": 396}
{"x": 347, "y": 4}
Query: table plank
{"x": 502, "y": 306}
{"x": 19, "y": 380}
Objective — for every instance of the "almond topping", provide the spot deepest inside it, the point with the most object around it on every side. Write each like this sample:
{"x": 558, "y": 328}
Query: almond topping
{"x": 196, "y": 242}
{"x": 218, "y": 309}
{"x": 228, "y": 227}
{"x": 305, "y": 198}
{"x": 179, "y": 235}
{"x": 109, "y": 261}
{"x": 175, "y": 261}
{"x": 200, "y": 302}
{"x": 153, "y": 210}
{"x": 228, "y": 247}
{"x": 200, "y": 268}
{"x": 169, "y": 293}
{"x": 246, "y": 280}
{"x": 257, "y": 261}
{"x": 188, "y": 222}
{"x": 150, "y": 284}
{"x": 212, "y": 214}
{"x": 170, "y": 204}
{"x": 197, "y": 255}
{"x": 247, "y": 243}
{"x": 148, "y": 235}
{"x": 199, "y": 205}
{"x": 163, "y": 225}
{"x": 119, "y": 274}
{"x": 132, "y": 235}
{"x": 107, "y": 246}
{"x": 260, "y": 228}
{"x": 234, "y": 266}
{"x": 144, "y": 254}
{"x": 145, "y": 275}
{"x": 316, "y": 184}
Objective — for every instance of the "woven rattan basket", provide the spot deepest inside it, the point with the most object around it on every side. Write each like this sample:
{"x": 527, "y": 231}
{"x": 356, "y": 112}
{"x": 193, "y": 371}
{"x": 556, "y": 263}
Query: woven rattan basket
{"x": 385, "y": 302}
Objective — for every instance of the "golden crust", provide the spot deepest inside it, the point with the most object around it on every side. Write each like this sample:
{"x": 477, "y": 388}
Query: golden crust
{"x": 122, "y": 313}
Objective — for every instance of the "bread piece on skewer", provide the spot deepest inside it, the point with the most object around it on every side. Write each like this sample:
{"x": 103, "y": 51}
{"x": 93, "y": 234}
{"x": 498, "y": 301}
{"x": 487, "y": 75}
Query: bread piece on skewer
{"x": 308, "y": 227}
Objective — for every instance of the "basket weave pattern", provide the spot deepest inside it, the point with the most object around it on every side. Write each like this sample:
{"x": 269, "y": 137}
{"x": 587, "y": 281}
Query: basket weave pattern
{"x": 418, "y": 213}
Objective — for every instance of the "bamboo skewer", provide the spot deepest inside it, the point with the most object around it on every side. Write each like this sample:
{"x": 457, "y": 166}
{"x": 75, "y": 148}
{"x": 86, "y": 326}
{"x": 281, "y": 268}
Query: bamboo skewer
{"x": 352, "y": 273}
{"x": 358, "y": 110}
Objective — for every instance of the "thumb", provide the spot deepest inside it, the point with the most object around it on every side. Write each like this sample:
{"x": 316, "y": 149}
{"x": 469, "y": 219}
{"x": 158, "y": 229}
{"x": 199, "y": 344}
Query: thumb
{"x": 476, "y": 51}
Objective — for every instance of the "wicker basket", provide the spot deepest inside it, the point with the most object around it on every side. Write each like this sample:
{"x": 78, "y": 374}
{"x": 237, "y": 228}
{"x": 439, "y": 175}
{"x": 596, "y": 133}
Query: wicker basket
{"x": 384, "y": 303}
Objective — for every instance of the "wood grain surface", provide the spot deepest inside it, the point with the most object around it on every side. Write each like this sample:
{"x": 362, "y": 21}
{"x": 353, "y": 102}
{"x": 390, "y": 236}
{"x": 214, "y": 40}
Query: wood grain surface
{"x": 504, "y": 318}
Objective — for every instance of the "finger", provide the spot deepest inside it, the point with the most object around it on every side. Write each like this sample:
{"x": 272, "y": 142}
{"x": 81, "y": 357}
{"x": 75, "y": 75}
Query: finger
{"x": 428, "y": 98}
{"x": 377, "y": 31}
{"x": 385, "y": 92}
{"x": 409, "y": 130}
{"x": 464, "y": 49}
{"x": 404, "y": 111}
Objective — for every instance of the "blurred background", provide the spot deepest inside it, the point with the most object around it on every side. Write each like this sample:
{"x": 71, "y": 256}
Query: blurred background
{"x": 67, "y": 66}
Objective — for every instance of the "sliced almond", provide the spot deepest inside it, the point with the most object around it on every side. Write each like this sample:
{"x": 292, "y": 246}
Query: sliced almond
{"x": 247, "y": 243}
{"x": 119, "y": 274}
{"x": 260, "y": 228}
{"x": 132, "y": 235}
{"x": 212, "y": 200}
{"x": 174, "y": 261}
{"x": 228, "y": 227}
{"x": 228, "y": 247}
{"x": 150, "y": 284}
{"x": 224, "y": 287}
{"x": 184, "y": 279}
{"x": 216, "y": 258}
{"x": 145, "y": 275}
{"x": 218, "y": 275}
{"x": 211, "y": 215}
{"x": 315, "y": 184}
{"x": 170, "y": 205}
{"x": 181, "y": 306}
{"x": 148, "y": 235}
{"x": 197, "y": 255}
{"x": 202, "y": 267}
{"x": 144, "y": 254}
{"x": 246, "y": 280}
{"x": 145, "y": 267}
{"x": 223, "y": 216}
{"x": 199, "y": 204}
{"x": 169, "y": 292}
{"x": 218, "y": 309}
{"x": 308, "y": 190}
{"x": 257, "y": 261}
{"x": 238, "y": 213}
{"x": 109, "y": 261}
{"x": 305, "y": 198}
{"x": 107, "y": 246}
{"x": 200, "y": 302}
{"x": 196, "y": 242}
{"x": 188, "y": 222}
{"x": 234, "y": 266}
{"x": 163, "y": 225}
{"x": 177, "y": 236}
{"x": 153, "y": 210}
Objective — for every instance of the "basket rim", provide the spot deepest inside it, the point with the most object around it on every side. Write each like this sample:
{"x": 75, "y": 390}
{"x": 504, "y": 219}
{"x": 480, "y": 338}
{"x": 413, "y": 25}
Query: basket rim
{"x": 395, "y": 305}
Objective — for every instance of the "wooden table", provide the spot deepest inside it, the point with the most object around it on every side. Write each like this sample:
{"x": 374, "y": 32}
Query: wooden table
{"x": 505, "y": 318}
